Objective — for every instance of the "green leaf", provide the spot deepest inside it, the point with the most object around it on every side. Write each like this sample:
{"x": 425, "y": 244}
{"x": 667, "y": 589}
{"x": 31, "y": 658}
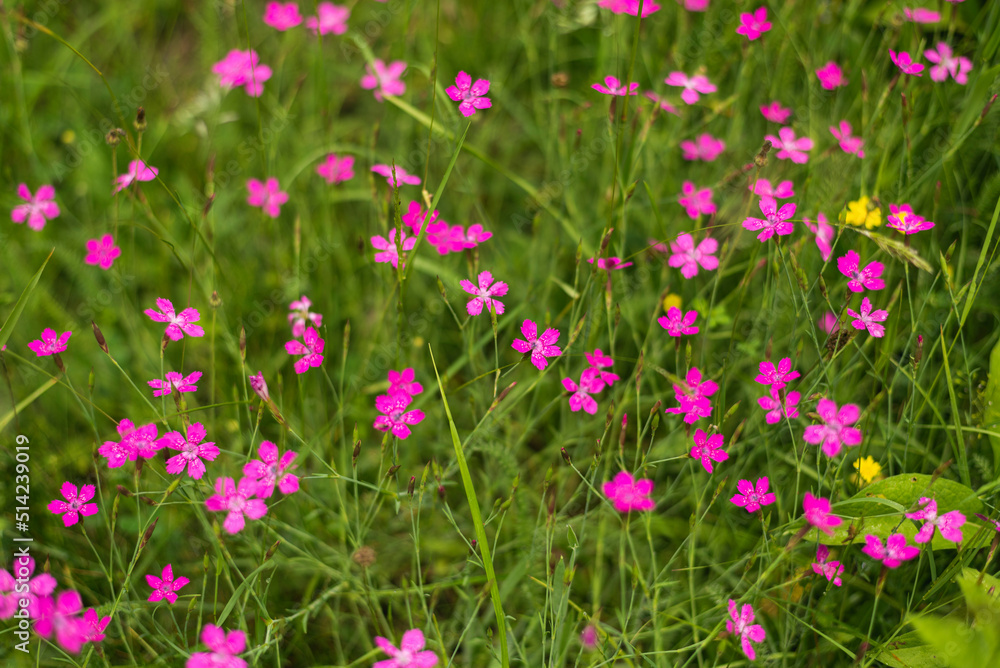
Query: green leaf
{"x": 909, "y": 651}
{"x": 15, "y": 315}
{"x": 956, "y": 644}
{"x": 991, "y": 407}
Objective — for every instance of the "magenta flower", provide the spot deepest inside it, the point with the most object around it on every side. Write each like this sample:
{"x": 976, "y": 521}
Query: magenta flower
{"x": 905, "y": 63}
{"x": 135, "y": 442}
{"x": 662, "y": 103}
{"x": 598, "y": 361}
{"x": 395, "y": 417}
{"x": 165, "y": 587}
{"x": 102, "y": 252}
{"x": 40, "y": 207}
{"x": 300, "y": 313}
{"x": 470, "y": 96}
{"x": 59, "y": 616}
{"x": 921, "y": 15}
{"x": 705, "y": 147}
{"x": 175, "y": 381}
{"x": 693, "y": 86}
{"x": 828, "y": 322}
{"x": 51, "y": 343}
{"x": 93, "y": 626}
{"x": 869, "y": 319}
{"x": 268, "y": 196}
{"x": 763, "y": 188}
{"x": 741, "y": 625}
{"x": 775, "y": 113}
{"x": 775, "y": 220}
{"x": 75, "y": 503}
{"x": 610, "y": 263}
{"x": 259, "y": 386}
{"x": 708, "y": 449}
{"x": 389, "y": 252}
{"x": 694, "y": 5}
{"x": 776, "y": 376}
{"x": 789, "y": 147}
{"x": 754, "y": 25}
{"x": 696, "y": 202}
{"x": 282, "y": 15}
{"x": 893, "y": 553}
{"x": 902, "y": 219}
{"x": 588, "y": 637}
{"x": 831, "y": 570}
{"x": 861, "y": 279}
{"x": 693, "y": 397}
{"x": 224, "y": 646}
{"x": 137, "y": 171}
{"x": 402, "y": 381}
{"x": 540, "y": 347}
{"x": 776, "y": 409}
{"x": 817, "y": 513}
{"x": 384, "y": 78}
{"x": 485, "y": 294}
{"x": 590, "y": 383}
{"x": 630, "y": 7}
{"x": 949, "y": 524}
{"x": 330, "y": 19}
{"x": 311, "y": 349}
{"x": 629, "y": 494}
{"x": 753, "y": 497}
{"x": 269, "y": 471}
{"x": 411, "y": 653}
{"x": 825, "y": 234}
{"x": 945, "y": 64}
{"x": 831, "y": 76}
{"x": 336, "y": 169}
{"x": 242, "y": 68}
{"x": 834, "y": 433}
{"x": 678, "y": 323}
{"x": 192, "y": 451}
{"x": 848, "y": 144}
{"x": 401, "y": 176}
{"x": 612, "y": 86}
{"x": 180, "y": 323}
{"x": 22, "y": 568}
{"x": 237, "y": 501}
{"x": 687, "y": 256}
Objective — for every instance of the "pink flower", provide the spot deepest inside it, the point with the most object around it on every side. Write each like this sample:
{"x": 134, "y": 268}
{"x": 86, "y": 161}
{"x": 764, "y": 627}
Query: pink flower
{"x": 180, "y": 323}
{"x": 135, "y": 442}
{"x": 389, "y": 252}
{"x": 831, "y": 76}
{"x": 40, "y": 207}
{"x": 192, "y": 451}
{"x": 75, "y": 503}
{"x": 921, "y": 15}
{"x": 776, "y": 409}
{"x": 259, "y": 386}
{"x": 336, "y": 169}
{"x": 403, "y": 382}
{"x": 817, "y": 513}
{"x": 705, "y": 147}
{"x": 831, "y": 570}
{"x": 590, "y": 383}
{"x": 834, "y": 433}
{"x": 825, "y": 234}
{"x": 763, "y": 188}
{"x": 662, "y": 103}
{"x": 485, "y": 294}
{"x": 384, "y": 78}
{"x": 694, "y": 5}
{"x": 893, "y": 553}
{"x": 268, "y": 196}
{"x": 175, "y": 381}
{"x": 610, "y": 263}
{"x": 869, "y": 319}
{"x": 588, "y": 637}
{"x": 828, "y": 322}
{"x": 540, "y": 347}
{"x": 678, "y": 323}
{"x": 282, "y": 16}
{"x": 774, "y": 221}
{"x": 946, "y": 64}
{"x": 742, "y": 626}
{"x": 753, "y": 497}
{"x": 693, "y": 397}
{"x": 708, "y": 449}
{"x": 22, "y": 568}
{"x": 598, "y": 361}
{"x": 300, "y": 313}
{"x": 409, "y": 654}
{"x": 102, "y": 252}
{"x": 401, "y": 175}
{"x": 849, "y": 265}
{"x": 269, "y": 470}
{"x": 237, "y": 501}
{"x": 688, "y": 257}
{"x": 754, "y": 25}
{"x": 137, "y": 171}
{"x": 693, "y": 86}
{"x": 614, "y": 87}
{"x": 416, "y": 218}
{"x": 93, "y": 627}
{"x": 630, "y": 7}
{"x": 471, "y": 96}
{"x": 60, "y": 616}
{"x": 696, "y": 202}
{"x": 311, "y": 349}
{"x": 949, "y": 524}
{"x": 905, "y": 63}
{"x": 789, "y": 147}
{"x": 629, "y": 494}
{"x": 330, "y": 18}
{"x": 395, "y": 417}
{"x": 165, "y": 587}
{"x": 776, "y": 377}
{"x": 51, "y": 343}
{"x": 848, "y": 144}
{"x": 775, "y": 113}
{"x": 224, "y": 646}
{"x": 902, "y": 219}
{"x": 242, "y": 68}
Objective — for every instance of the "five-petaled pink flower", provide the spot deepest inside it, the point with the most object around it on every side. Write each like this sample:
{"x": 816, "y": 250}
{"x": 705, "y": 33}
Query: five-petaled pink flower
{"x": 590, "y": 383}
{"x": 270, "y": 470}
{"x": 892, "y": 553}
{"x": 662, "y": 103}
{"x": 411, "y": 652}
{"x": 403, "y": 381}
{"x": 470, "y": 96}
{"x": 861, "y": 279}
{"x": 751, "y": 496}
{"x": 59, "y": 615}
{"x": 817, "y": 513}
{"x": 40, "y": 207}
{"x": 708, "y": 449}
{"x": 102, "y": 252}
{"x": 598, "y": 361}
{"x": 775, "y": 113}
{"x": 705, "y": 147}
{"x": 831, "y": 570}
{"x": 75, "y": 503}
{"x": 540, "y": 347}
{"x": 51, "y": 343}
{"x": 825, "y": 234}
{"x": 612, "y": 86}
{"x": 224, "y": 646}
{"x": 485, "y": 294}
{"x": 948, "y": 524}
{"x": 945, "y": 64}
{"x": 394, "y": 416}
{"x": 869, "y": 319}
{"x": 336, "y": 168}
{"x": 384, "y": 78}
{"x": 192, "y": 451}
{"x": 741, "y": 625}
{"x": 610, "y": 263}
{"x": 282, "y": 15}
{"x": 776, "y": 376}
{"x": 388, "y": 251}
{"x": 687, "y": 256}
{"x": 831, "y": 76}
{"x": 242, "y": 68}
{"x": 20, "y": 573}
{"x": 311, "y": 349}
{"x": 237, "y": 501}
{"x": 330, "y": 18}
{"x": 135, "y": 442}
{"x": 754, "y": 25}
{"x": 629, "y": 494}
{"x": 835, "y": 431}
{"x": 775, "y": 220}
{"x": 921, "y": 15}
{"x": 677, "y": 322}
{"x": 137, "y": 171}
{"x": 693, "y": 397}
{"x": 268, "y": 196}
{"x": 93, "y": 626}
{"x": 693, "y": 87}
{"x": 905, "y": 63}
{"x": 902, "y": 219}
{"x": 180, "y": 323}
{"x": 791, "y": 147}
{"x": 772, "y": 403}
{"x": 763, "y": 188}
{"x": 848, "y": 144}
{"x": 630, "y": 7}
{"x": 175, "y": 381}
{"x": 300, "y": 313}
{"x": 695, "y": 201}
{"x": 165, "y": 587}
{"x": 402, "y": 176}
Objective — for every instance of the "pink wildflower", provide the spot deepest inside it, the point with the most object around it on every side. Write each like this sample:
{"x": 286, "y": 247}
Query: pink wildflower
{"x": 828, "y": 322}
{"x": 754, "y": 25}
{"x": 630, "y": 7}
{"x": 848, "y": 144}
{"x": 869, "y": 319}
{"x": 60, "y": 616}
{"x": 705, "y": 147}
{"x": 389, "y": 252}
{"x": 708, "y": 449}
{"x": 540, "y": 347}
{"x": 751, "y": 496}
{"x": 300, "y": 313}
{"x": 629, "y": 494}
{"x": 893, "y": 553}
{"x": 789, "y": 147}
{"x": 51, "y": 343}
{"x": 336, "y": 169}
{"x": 861, "y": 279}
{"x": 93, "y": 626}
{"x": 268, "y": 196}
{"x": 678, "y": 323}
{"x": 921, "y": 15}
{"x": 402, "y": 177}
{"x": 742, "y": 626}
{"x": 242, "y": 68}
{"x": 40, "y": 207}
{"x": 384, "y": 78}
{"x": 696, "y": 202}
{"x": 776, "y": 376}
{"x": 776, "y": 409}
{"x": 948, "y": 524}
{"x": 834, "y": 433}
{"x": 831, "y": 570}
{"x": 102, "y": 252}
{"x": 945, "y": 64}
{"x": 224, "y": 646}
{"x": 403, "y": 381}
{"x": 817, "y": 513}
{"x": 137, "y": 171}
{"x": 825, "y": 234}
{"x": 693, "y": 397}
{"x": 612, "y": 86}
{"x": 282, "y": 16}
{"x": 416, "y": 218}
{"x": 192, "y": 451}
{"x": 394, "y": 416}
{"x": 135, "y": 442}
{"x": 693, "y": 86}
{"x": 902, "y": 219}
{"x": 588, "y": 637}
{"x": 269, "y": 470}
{"x": 763, "y": 188}
{"x": 75, "y": 503}
{"x": 598, "y": 361}
{"x": 175, "y": 381}
{"x": 180, "y": 323}
{"x": 485, "y": 294}
{"x": 330, "y": 19}
{"x": 311, "y": 349}
{"x": 687, "y": 256}
{"x": 165, "y": 587}
{"x": 259, "y": 386}
{"x": 905, "y": 63}
{"x": 831, "y": 76}
{"x": 409, "y": 654}
{"x": 694, "y": 5}
{"x": 12, "y": 583}
{"x": 237, "y": 501}
{"x": 662, "y": 103}
{"x": 610, "y": 263}
{"x": 590, "y": 383}
{"x": 470, "y": 96}
{"x": 775, "y": 220}
{"x": 775, "y": 113}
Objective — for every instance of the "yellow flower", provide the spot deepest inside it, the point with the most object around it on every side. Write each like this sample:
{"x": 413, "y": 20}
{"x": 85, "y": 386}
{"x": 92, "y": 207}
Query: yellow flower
{"x": 868, "y": 469}
{"x": 863, "y": 212}
{"x": 671, "y": 300}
